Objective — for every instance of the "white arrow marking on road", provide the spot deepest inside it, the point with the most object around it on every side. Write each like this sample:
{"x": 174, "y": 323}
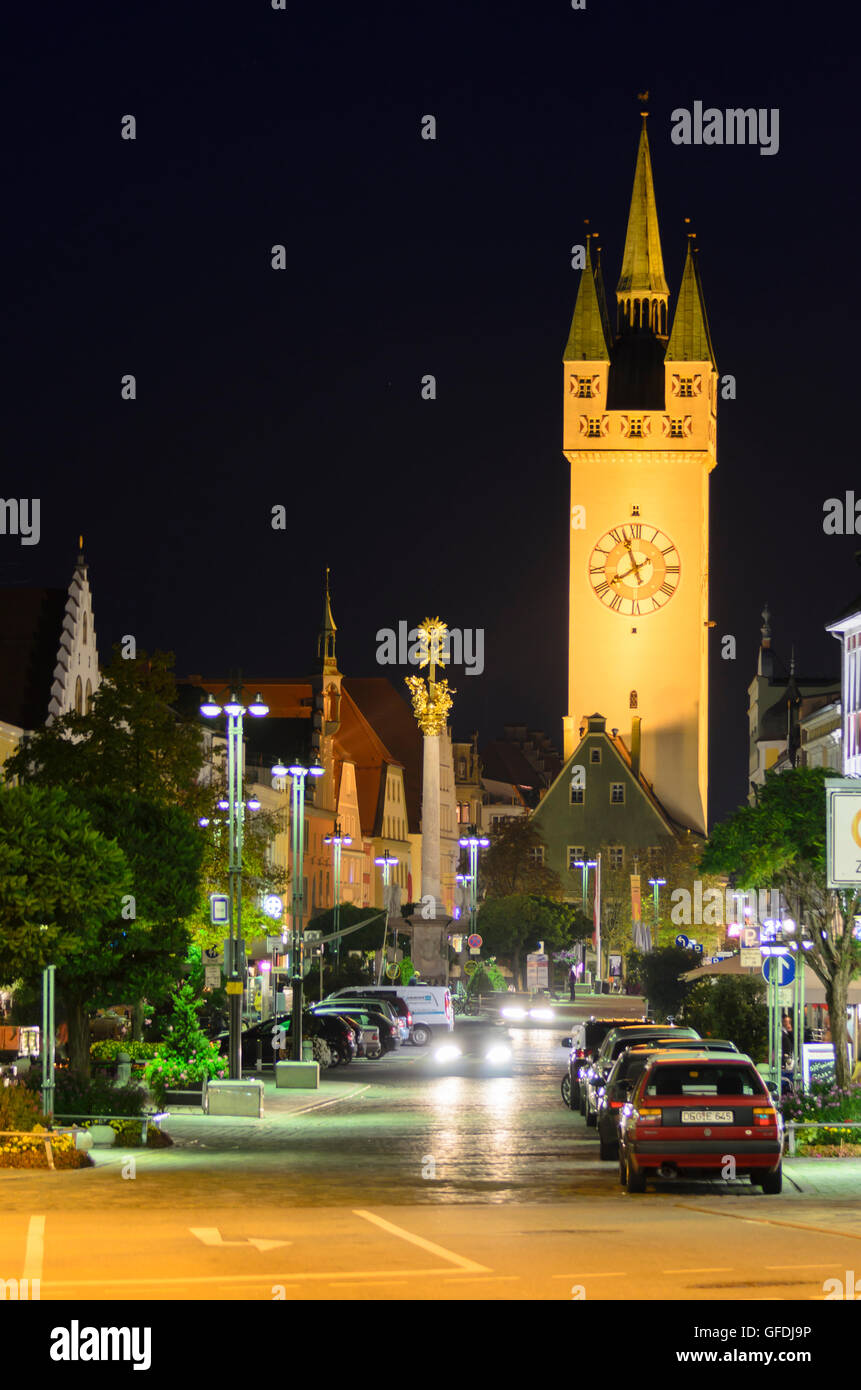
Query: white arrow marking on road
{"x": 210, "y": 1235}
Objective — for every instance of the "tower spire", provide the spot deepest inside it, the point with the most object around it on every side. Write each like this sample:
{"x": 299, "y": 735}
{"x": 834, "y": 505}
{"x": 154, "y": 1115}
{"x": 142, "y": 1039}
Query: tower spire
{"x": 326, "y": 638}
{"x": 587, "y": 341}
{"x": 642, "y": 294}
{"x": 690, "y": 340}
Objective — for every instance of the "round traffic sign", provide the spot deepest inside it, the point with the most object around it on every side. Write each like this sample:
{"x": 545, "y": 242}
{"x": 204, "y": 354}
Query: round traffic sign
{"x": 393, "y": 971}
{"x": 474, "y": 941}
{"x": 780, "y": 968}
{"x": 682, "y": 940}
{"x": 470, "y": 967}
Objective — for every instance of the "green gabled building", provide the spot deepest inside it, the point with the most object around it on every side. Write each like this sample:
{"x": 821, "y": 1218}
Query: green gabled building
{"x": 607, "y": 805}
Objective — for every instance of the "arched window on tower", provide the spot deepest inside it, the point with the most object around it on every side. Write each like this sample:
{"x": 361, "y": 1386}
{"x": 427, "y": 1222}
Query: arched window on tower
{"x": 89, "y": 696}
{"x": 79, "y": 696}
{"x": 633, "y": 700}
{"x": 85, "y": 629}
{"x": 663, "y": 320}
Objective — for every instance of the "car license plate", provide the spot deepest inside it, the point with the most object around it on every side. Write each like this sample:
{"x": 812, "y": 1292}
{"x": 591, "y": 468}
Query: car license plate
{"x": 707, "y": 1117}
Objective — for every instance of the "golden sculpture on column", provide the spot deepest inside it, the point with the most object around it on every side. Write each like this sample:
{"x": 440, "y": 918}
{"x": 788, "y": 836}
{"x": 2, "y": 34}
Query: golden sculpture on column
{"x": 431, "y": 702}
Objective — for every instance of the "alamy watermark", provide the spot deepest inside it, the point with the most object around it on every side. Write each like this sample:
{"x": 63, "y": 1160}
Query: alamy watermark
{"x": 456, "y": 647}
{"x": 734, "y": 126}
{"x": 19, "y": 516}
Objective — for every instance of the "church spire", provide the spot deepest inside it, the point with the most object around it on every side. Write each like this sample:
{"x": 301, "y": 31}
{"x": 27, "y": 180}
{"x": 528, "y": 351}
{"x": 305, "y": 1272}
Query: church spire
{"x": 587, "y": 341}
{"x": 642, "y": 294}
{"x": 326, "y": 639}
{"x": 690, "y": 340}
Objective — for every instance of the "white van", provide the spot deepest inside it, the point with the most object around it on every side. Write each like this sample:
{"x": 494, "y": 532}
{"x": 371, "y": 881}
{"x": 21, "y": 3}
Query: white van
{"x": 430, "y": 1006}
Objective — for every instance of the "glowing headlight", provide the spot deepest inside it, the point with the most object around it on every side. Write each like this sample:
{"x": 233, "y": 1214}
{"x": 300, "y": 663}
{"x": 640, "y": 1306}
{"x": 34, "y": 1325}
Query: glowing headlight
{"x": 499, "y": 1054}
{"x": 447, "y": 1053}
{"x": 513, "y": 1012}
{"x": 541, "y": 1013}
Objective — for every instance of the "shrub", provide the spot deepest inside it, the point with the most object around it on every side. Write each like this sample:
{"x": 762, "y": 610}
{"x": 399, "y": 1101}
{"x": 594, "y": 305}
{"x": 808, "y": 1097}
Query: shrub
{"x": 28, "y": 1151}
{"x": 110, "y": 1049}
{"x": 19, "y": 1107}
{"x": 186, "y": 1057}
{"x": 824, "y": 1101}
{"x": 77, "y": 1098}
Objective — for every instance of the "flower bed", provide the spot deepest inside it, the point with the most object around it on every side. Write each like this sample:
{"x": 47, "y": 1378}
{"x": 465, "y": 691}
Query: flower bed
{"x": 129, "y": 1134}
{"x": 28, "y": 1151}
{"x": 828, "y": 1141}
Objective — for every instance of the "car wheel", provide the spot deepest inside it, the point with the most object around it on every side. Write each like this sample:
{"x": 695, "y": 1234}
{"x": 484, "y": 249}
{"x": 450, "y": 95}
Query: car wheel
{"x": 421, "y": 1035}
{"x": 623, "y": 1169}
{"x": 566, "y": 1090}
{"x": 582, "y": 1102}
{"x": 608, "y": 1151}
{"x": 591, "y": 1117}
{"x": 373, "y": 1056}
{"x": 575, "y": 1095}
{"x": 772, "y": 1183}
{"x": 634, "y": 1180}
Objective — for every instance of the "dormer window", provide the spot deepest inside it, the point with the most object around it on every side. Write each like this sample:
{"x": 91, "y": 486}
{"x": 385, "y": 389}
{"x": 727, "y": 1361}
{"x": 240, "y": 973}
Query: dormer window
{"x": 636, "y": 427}
{"x": 686, "y": 386}
{"x": 593, "y": 429}
{"x": 584, "y": 385}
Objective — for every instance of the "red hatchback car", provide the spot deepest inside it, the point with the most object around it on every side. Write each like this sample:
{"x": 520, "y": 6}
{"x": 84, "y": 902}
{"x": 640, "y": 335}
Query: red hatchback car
{"x": 695, "y": 1114}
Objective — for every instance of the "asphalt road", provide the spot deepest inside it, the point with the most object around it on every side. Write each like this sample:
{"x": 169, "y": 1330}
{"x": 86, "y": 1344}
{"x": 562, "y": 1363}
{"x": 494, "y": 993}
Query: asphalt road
{"x": 406, "y": 1185}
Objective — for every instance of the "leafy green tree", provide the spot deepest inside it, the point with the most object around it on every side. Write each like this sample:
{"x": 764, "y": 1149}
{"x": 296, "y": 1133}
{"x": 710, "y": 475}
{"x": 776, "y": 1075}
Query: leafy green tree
{"x": 780, "y": 843}
{"x": 513, "y": 926}
{"x": 511, "y": 865}
{"x": 130, "y": 740}
{"x": 656, "y": 974}
{"x": 733, "y": 1007}
{"x": 62, "y": 885}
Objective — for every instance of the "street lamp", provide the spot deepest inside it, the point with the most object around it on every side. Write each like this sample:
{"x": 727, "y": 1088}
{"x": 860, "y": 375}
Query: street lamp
{"x": 235, "y": 962}
{"x": 386, "y": 862}
{"x": 336, "y": 839}
{"x": 585, "y": 865}
{"x": 473, "y": 842}
{"x": 657, "y": 884}
{"x": 298, "y": 772}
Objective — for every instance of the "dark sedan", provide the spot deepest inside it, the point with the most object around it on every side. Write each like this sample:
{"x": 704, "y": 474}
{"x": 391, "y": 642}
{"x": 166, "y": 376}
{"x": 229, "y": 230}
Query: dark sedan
{"x": 627, "y": 1069}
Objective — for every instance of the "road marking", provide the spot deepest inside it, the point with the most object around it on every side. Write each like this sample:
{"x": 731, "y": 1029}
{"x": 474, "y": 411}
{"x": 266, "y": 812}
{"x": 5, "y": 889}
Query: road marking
{"x": 34, "y": 1251}
{"x": 432, "y": 1249}
{"x": 210, "y": 1235}
{"x": 701, "y": 1269}
{"x": 280, "y": 1278}
{"x": 770, "y": 1221}
{"x": 606, "y": 1274}
{"x": 348, "y": 1283}
{"x": 454, "y": 1278}
{"x": 336, "y": 1100}
{"x": 821, "y": 1265}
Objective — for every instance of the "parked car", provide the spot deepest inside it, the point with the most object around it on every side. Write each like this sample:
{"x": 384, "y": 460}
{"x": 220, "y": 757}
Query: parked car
{"x": 379, "y": 998}
{"x": 477, "y": 1048}
{"x": 616, "y": 1041}
{"x": 382, "y": 1026}
{"x": 624, "y": 1074}
{"x": 689, "y": 1113}
{"x": 430, "y": 1006}
{"x": 586, "y": 1037}
{"x": 261, "y": 1040}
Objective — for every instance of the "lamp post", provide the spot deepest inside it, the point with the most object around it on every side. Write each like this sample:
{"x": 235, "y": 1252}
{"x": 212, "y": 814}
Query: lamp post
{"x": 298, "y": 772}
{"x": 584, "y": 865}
{"x": 234, "y": 964}
{"x": 336, "y": 839}
{"x": 473, "y": 842}
{"x": 386, "y": 862}
{"x": 657, "y": 884}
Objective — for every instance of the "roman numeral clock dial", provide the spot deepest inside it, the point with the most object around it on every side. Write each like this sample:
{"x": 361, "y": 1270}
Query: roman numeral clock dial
{"x": 634, "y": 569}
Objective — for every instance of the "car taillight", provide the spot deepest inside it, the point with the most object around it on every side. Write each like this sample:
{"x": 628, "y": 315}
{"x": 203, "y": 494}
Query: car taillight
{"x": 409, "y": 1020}
{"x": 648, "y": 1115}
{"x": 764, "y": 1115}
{"x": 580, "y": 1054}
{"x": 616, "y": 1104}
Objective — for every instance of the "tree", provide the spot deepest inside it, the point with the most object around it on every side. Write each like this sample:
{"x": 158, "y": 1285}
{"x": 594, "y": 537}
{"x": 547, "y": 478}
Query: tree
{"x": 657, "y": 974}
{"x": 733, "y": 1007}
{"x": 62, "y": 885}
{"x": 514, "y": 925}
{"x": 779, "y": 843}
{"x": 512, "y": 864}
{"x": 130, "y": 740}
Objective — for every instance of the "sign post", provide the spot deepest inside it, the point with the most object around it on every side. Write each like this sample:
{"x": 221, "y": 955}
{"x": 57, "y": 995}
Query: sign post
{"x": 778, "y": 969}
{"x": 843, "y": 832}
{"x": 47, "y": 1057}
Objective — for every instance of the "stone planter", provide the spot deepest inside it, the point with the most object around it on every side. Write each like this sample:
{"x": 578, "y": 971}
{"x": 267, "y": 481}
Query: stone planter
{"x": 102, "y": 1136}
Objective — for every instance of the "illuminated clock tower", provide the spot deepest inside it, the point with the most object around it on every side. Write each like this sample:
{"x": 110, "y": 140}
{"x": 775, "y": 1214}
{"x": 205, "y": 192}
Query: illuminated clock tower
{"x": 639, "y": 430}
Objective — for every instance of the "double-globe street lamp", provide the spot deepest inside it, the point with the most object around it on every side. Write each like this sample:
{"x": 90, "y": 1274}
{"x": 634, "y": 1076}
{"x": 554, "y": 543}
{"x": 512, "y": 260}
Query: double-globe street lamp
{"x": 336, "y": 839}
{"x": 386, "y": 862}
{"x": 473, "y": 842}
{"x": 584, "y": 865}
{"x": 297, "y": 773}
{"x": 234, "y": 964}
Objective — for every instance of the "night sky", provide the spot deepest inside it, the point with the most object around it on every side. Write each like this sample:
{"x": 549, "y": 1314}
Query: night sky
{"x": 406, "y": 257}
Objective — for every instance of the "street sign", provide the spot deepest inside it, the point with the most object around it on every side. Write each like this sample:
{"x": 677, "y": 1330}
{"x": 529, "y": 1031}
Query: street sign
{"x": 470, "y": 967}
{"x": 751, "y": 958}
{"x": 843, "y": 832}
{"x": 779, "y": 968}
{"x": 785, "y": 996}
{"x": 273, "y": 906}
{"x": 750, "y": 936}
{"x": 219, "y": 908}
{"x": 212, "y": 955}
{"x": 212, "y": 977}
{"x": 393, "y": 971}
{"x": 537, "y": 970}
{"x": 682, "y": 940}
{"x": 697, "y": 946}
{"x": 474, "y": 942}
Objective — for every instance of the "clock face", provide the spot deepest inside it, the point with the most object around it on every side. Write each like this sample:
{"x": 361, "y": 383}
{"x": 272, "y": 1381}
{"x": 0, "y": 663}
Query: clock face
{"x": 634, "y": 569}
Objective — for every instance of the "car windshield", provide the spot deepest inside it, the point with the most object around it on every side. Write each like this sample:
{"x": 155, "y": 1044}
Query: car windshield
{"x": 703, "y": 1079}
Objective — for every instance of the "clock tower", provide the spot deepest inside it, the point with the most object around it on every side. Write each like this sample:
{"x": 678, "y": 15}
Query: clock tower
{"x": 639, "y": 430}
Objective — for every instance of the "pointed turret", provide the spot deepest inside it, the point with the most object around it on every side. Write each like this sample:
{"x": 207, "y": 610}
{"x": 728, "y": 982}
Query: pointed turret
{"x": 690, "y": 340}
{"x": 326, "y": 639}
{"x": 642, "y": 294}
{"x": 587, "y": 341}
{"x": 765, "y": 664}
{"x": 602, "y": 296}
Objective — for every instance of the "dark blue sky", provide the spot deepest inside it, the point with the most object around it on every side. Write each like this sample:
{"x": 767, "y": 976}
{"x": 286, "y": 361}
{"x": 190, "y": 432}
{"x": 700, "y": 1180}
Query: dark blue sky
{"x": 406, "y": 257}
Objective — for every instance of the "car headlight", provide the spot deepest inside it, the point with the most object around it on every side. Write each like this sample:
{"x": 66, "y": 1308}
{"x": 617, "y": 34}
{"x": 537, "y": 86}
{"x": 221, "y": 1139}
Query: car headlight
{"x": 541, "y": 1013}
{"x": 513, "y": 1012}
{"x": 499, "y": 1054}
{"x": 448, "y": 1053}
